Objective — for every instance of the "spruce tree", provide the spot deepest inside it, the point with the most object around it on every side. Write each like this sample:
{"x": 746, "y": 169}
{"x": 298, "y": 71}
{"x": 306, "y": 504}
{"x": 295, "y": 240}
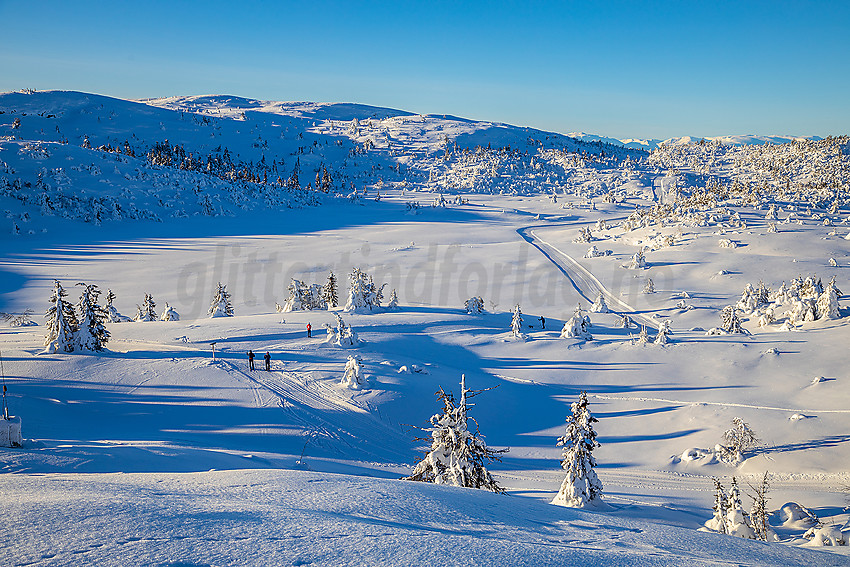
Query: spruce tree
{"x": 329, "y": 292}
{"x": 457, "y": 455}
{"x": 61, "y": 322}
{"x": 581, "y": 486}
{"x": 718, "y": 522}
{"x": 516, "y": 322}
{"x": 353, "y": 375}
{"x": 147, "y": 310}
{"x": 221, "y": 305}
{"x": 92, "y": 334}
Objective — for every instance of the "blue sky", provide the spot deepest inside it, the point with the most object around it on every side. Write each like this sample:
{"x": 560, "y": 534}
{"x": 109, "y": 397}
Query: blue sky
{"x": 623, "y": 69}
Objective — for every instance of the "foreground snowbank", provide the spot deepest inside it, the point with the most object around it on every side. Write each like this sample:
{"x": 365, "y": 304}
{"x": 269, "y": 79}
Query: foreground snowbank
{"x": 282, "y": 517}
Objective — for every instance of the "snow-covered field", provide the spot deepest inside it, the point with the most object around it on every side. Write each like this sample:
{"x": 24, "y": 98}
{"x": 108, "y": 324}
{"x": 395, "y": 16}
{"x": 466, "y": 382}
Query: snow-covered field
{"x": 153, "y": 452}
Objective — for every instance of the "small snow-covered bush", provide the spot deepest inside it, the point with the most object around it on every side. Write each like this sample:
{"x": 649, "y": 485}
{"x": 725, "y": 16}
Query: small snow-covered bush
{"x": 738, "y": 438}
{"x": 474, "y": 305}
{"x": 169, "y": 313}
{"x": 577, "y": 327}
{"x": 353, "y": 375}
{"x": 599, "y": 306}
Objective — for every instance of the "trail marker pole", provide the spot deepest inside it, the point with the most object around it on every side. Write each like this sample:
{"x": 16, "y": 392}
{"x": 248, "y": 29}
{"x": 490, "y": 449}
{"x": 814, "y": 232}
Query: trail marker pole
{"x": 3, "y": 374}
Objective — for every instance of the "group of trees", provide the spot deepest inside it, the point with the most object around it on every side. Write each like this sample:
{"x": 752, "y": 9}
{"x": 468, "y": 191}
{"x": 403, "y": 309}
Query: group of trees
{"x": 803, "y": 300}
{"x": 730, "y": 517}
{"x": 85, "y": 329}
{"x": 363, "y": 294}
{"x": 81, "y": 329}
{"x": 458, "y": 454}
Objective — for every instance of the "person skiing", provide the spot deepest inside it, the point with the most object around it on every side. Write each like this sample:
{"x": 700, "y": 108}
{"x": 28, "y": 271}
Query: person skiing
{"x": 542, "y": 321}
{"x": 250, "y": 359}
{"x": 309, "y": 330}
{"x": 268, "y": 359}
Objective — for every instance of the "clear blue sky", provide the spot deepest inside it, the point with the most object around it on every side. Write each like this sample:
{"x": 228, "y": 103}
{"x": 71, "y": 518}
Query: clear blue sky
{"x": 624, "y": 69}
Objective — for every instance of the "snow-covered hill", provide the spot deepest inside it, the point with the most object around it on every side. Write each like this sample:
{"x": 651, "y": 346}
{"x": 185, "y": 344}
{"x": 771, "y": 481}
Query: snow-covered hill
{"x": 154, "y": 452}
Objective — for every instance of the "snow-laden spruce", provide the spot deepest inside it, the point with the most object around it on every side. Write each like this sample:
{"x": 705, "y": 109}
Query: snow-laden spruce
{"x": 577, "y": 327}
{"x": 169, "y": 313}
{"x": 303, "y": 297}
{"x": 392, "y": 305}
{"x": 516, "y": 323}
{"x": 221, "y": 305}
{"x": 352, "y": 376}
{"x": 341, "y": 335}
{"x": 330, "y": 295}
{"x": 737, "y": 521}
{"x": 638, "y": 261}
{"x": 600, "y": 305}
{"x": 718, "y": 522}
{"x": 61, "y": 322}
{"x": 147, "y": 310}
{"x": 112, "y": 314}
{"x": 457, "y": 455}
{"x": 92, "y": 333}
{"x": 581, "y": 487}
{"x": 663, "y": 332}
{"x": 363, "y": 295}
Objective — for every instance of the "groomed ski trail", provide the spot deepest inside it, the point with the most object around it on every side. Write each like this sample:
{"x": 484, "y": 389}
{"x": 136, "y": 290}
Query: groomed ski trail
{"x": 587, "y": 285}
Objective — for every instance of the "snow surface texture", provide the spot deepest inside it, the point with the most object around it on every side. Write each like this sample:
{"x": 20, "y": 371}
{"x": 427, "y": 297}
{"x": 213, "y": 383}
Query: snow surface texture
{"x": 442, "y": 210}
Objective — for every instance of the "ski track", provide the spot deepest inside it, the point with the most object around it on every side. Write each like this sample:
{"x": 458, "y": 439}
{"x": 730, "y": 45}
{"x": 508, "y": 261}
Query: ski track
{"x": 722, "y": 404}
{"x": 587, "y": 285}
{"x": 311, "y": 405}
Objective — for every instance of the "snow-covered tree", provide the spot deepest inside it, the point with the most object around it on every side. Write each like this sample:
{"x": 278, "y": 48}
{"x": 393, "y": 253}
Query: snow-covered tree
{"x": 827, "y": 304}
{"x": 516, "y": 323}
{"x": 221, "y": 305}
{"x": 718, "y": 522}
{"x": 353, "y": 376}
{"x": 738, "y": 439}
{"x": 638, "y": 260}
{"x": 729, "y": 320}
{"x": 663, "y": 332}
{"x": 147, "y": 310}
{"x": 625, "y": 322}
{"x": 643, "y": 336}
{"x": 474, "y": 305}
{"x": 61, "y": 322}
{"x": 299, "y": 297}
{"x": 330, "y": 295}
{"x": 737, "y": 523}
{"x": 599, "y": 306}
{"x": 393, "y": 303}
{"x": 581, "y": 486}
{"x": 361, "y": 292}
{"x": 92, "y": 333}
{"x": 649, "y": 287}
{"x": 577, "y": 327}
{"x": 758, "y": 512}
{"x": 457, "y": 455}
{"x": 171, "y": 314}
{"x": 112, "y": 314}
{"x": 341, "y": 335}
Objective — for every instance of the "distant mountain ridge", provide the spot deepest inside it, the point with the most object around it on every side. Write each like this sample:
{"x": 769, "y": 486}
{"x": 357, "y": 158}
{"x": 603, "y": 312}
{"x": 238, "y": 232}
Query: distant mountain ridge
{"x": 652, "y": 143}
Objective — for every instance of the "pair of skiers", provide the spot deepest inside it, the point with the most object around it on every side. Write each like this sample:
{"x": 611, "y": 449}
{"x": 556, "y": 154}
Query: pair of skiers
{"x": 267, "y": 357}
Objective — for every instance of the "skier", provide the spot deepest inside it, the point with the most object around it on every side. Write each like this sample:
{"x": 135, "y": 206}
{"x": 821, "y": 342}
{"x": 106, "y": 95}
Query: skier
{"x": 250, "y": 359}
{"x": 542, "y": 321}
{"x": 268, "y": 359}
{"x": 309, "y": 330}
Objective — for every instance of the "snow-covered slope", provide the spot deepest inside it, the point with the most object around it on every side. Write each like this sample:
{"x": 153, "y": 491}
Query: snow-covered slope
{"x": 154, "y": 453}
